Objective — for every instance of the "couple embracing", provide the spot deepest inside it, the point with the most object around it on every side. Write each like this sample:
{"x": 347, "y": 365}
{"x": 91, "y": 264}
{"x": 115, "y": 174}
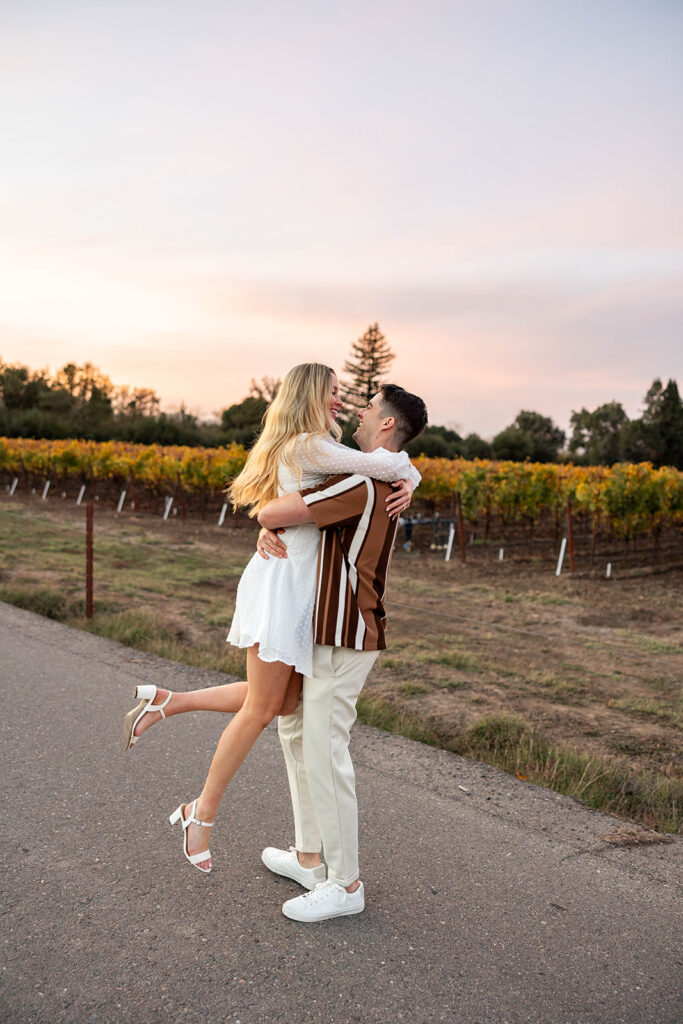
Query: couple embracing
{"x": 310, "y": 613}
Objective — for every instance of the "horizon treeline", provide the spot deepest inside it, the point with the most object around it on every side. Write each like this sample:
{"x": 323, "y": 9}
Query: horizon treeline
{"x": 82, "y": 402}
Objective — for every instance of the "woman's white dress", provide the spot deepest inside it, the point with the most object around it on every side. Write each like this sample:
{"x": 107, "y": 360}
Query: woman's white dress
{"x": 275, "y": 598}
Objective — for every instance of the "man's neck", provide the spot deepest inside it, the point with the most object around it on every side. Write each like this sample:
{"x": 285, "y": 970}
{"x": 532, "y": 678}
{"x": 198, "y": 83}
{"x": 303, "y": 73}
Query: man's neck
{"x": 387, "y": 444}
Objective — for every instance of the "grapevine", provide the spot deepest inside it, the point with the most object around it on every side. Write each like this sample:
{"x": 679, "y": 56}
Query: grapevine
{"x": 631, "y": 499}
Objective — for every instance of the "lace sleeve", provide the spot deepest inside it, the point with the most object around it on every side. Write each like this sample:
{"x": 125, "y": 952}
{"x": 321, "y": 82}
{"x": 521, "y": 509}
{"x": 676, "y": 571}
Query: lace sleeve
{"x": 318, "y": 455}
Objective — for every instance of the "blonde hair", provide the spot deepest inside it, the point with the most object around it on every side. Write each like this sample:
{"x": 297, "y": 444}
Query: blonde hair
{"x": 300, "y": 407}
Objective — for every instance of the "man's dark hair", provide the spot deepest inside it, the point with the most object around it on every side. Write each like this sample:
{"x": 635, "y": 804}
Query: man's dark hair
{"x": 408, "y": 410}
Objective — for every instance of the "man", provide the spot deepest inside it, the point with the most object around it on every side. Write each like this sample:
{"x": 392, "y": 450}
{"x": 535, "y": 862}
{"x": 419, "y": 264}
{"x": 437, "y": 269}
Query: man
{"x": 356, "y": 540}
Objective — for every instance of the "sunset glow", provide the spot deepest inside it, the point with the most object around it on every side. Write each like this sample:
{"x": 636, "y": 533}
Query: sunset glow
{"x": 192, "y": 197}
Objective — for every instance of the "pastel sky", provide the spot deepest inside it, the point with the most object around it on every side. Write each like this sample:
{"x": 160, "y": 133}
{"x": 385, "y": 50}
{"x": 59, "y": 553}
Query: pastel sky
{"x": 192, "y": 195}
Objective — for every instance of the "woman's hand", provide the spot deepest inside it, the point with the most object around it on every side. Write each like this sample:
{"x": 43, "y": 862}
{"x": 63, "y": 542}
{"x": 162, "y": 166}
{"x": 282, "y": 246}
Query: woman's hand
{"x": 400, "y": 499}
{"x": 269, "y": 543}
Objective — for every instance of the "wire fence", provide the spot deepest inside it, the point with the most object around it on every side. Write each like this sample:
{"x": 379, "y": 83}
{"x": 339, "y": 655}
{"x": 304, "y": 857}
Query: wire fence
{"x": 589, "y": 550}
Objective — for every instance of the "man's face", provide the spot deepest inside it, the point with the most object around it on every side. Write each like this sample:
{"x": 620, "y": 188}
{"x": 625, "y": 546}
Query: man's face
{"x": 370, "y": 419}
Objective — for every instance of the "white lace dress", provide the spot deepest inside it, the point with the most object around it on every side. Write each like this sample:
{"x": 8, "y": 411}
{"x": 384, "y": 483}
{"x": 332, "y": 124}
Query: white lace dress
{"x": 275, "y": 598}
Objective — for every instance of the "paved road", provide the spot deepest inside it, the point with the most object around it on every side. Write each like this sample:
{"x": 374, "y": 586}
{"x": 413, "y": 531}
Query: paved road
{"x": 501, "y": 904}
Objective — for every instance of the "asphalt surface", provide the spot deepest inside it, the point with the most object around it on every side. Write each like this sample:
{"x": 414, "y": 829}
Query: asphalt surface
{"x": 501, "y": 904}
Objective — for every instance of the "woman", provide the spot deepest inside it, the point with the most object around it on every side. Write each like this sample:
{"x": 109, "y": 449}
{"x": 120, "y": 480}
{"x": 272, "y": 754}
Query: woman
{"x": 274, "y": 607}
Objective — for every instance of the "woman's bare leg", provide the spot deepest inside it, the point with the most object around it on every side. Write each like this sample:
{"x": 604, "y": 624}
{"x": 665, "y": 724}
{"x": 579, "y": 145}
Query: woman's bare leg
{"x": 227, "y": 698}
{"x": 269, "y": 683}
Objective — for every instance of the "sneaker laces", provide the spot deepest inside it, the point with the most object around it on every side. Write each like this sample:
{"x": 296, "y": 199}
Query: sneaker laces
{"x": 316, "y": 895}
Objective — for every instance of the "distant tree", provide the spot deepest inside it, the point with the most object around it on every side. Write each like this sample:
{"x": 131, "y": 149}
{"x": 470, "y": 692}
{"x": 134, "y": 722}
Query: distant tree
{"x": 634, "y": 444}
{"x": 436, "y": 442}
{"x": 242, "y": 421}
{"x": 663, "y": 424}
{"x": 511, "y": 444}
{"x": 531, "y": 436}
{"x": 370, "y": 359}
{"x": 475, "y": 447}
{"x": 598, "y": 436}
{"x": 266, "y": 390}
{"x": 20, "y": 388}
{"x": 136, "y": 402}
{"x": 82, "y": 381}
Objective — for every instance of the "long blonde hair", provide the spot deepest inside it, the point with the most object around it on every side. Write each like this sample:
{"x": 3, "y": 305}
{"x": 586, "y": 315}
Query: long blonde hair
{"x": 301, "y": 406}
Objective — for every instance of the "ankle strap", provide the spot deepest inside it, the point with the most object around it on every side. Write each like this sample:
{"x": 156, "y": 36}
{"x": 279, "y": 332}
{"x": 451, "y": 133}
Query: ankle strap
{"x": 195, "y": 821}
{"x": 160, "y": 707}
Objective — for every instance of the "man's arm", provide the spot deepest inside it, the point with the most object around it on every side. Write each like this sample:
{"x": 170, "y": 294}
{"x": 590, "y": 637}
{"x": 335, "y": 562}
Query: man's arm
{"x": 289, "y": 510}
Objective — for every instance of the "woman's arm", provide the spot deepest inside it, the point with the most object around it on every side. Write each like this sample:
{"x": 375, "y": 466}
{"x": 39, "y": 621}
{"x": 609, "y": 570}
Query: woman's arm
{"x": 318, "y": 455}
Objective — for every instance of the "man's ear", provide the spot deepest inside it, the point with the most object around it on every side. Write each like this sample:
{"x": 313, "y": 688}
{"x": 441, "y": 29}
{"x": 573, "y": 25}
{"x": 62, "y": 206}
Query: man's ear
{"x": 388, "y": 423}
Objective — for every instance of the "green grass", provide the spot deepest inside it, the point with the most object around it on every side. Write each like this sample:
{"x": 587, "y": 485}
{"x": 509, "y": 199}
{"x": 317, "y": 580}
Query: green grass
{"x": 453, "y": 659}
{"x": 156, "y": 634}
{"x": 562, "y": 690}
{"x": 509, "y": 743}
{"x": 550, "y": 599}
{"x": 412, "y": 689}
{"x": 651, "y": 644}
{"x": 513, "y": 745}
{"x": 382, "y": 715}
{"x": 652, "y": 707}
{"x": 51, "y": 603}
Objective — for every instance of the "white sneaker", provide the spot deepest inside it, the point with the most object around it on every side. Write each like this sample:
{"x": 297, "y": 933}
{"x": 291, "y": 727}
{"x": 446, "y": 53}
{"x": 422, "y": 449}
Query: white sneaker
{"x": 327, "y": 900}
{"x": 286, "y": 862}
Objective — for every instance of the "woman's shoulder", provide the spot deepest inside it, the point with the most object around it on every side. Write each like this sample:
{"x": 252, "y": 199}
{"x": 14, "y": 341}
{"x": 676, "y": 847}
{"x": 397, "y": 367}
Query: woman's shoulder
{"x": 313, "y": 440}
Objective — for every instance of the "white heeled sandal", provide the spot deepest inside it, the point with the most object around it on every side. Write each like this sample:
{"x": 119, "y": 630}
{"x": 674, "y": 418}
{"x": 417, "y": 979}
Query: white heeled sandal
{"x": 179, "y": 815}
{"x": 147, "y": 693}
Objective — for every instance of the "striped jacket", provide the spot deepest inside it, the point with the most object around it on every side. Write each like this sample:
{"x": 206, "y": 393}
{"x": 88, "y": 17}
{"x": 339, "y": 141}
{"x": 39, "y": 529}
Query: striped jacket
{"x": 356, "y": 541}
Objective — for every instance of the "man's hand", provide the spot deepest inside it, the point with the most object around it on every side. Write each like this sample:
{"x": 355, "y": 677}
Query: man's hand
{"x": 269, "y": 543}
{"x": 400, "y": 499}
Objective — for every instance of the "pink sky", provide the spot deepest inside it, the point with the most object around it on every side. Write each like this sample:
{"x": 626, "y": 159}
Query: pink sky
{"x": 193, "y": 197}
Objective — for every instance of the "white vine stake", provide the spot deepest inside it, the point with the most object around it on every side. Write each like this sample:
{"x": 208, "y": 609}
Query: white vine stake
{"x": 14, "y": 485}
{"x": 560, "y": 560}
{"x": 169, "y": 502}
{"x": 121, "y": 501}
{"x": 449, "y": 546}
{"x": 608, "y": 573}
{"x": 500, "y": 554}
{"x": 79, "y": 499}
{"x": 221, "y": 518}
{"x": 46, "y": 488}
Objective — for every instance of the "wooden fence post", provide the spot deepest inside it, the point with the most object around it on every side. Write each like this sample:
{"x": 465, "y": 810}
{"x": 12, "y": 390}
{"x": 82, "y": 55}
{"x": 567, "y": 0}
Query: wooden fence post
{"x": 461, "y": 530}
{"x": 570, "y": 534}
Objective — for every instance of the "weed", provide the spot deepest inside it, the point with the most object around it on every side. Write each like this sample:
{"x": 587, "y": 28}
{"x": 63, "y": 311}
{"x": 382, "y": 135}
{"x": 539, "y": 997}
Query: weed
{"x": 454, "y": 659}
{"x": 134, "y": 628}
{"x": 652, "y": 707}
{"x": 41, "y": 600}
{"x": 516, "y": 747}
{"x": 382, "y": 715}
{"x": 653, "y": 645}
{"x": 550, "y": 599}
{"x": 412, "y": 689}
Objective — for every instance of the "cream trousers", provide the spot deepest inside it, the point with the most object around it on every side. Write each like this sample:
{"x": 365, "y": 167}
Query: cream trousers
{"x": 315, "y": 741}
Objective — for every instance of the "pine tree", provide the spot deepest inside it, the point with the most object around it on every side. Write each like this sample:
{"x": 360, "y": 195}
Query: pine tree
{"x": 663, "y": 424}
{"x": 370, "y": 359}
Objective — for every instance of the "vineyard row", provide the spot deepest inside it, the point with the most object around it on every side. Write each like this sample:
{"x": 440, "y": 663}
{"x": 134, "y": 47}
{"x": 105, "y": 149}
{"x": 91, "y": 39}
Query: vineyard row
{"x": 626, "y": 499}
